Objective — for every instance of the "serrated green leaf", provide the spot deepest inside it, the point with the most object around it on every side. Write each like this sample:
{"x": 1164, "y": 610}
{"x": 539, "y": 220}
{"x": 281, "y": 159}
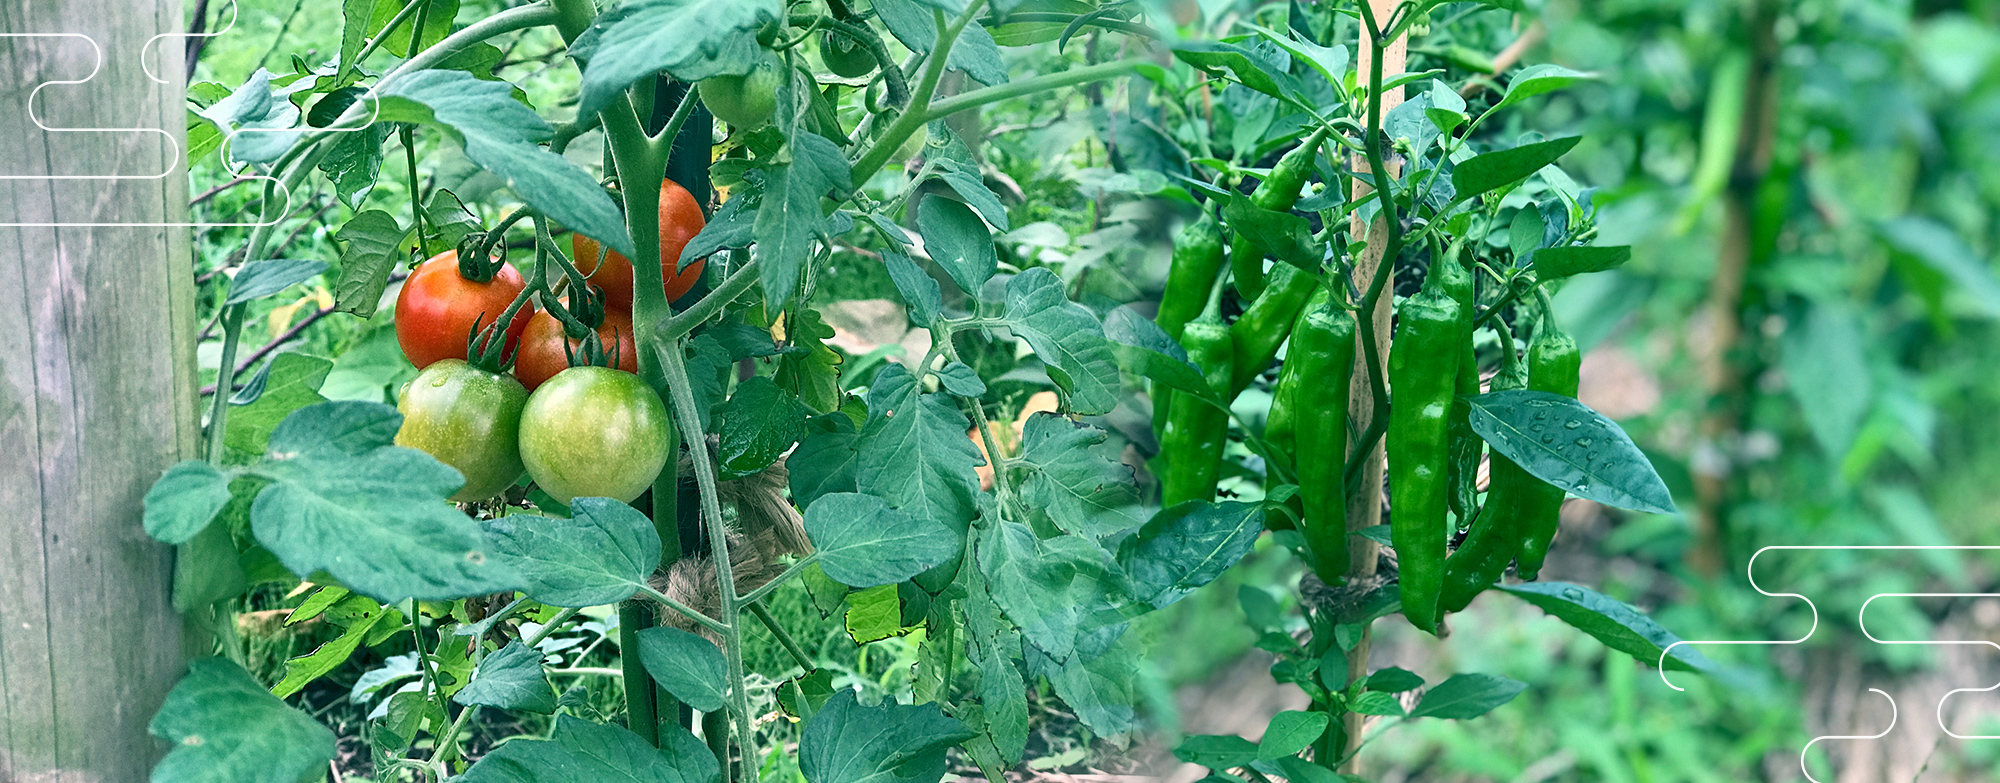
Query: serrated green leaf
{"x": 790, "y": 216}
{"x": 962, "y": 380}
{"x": 848, "y": 743}
{"x": 822, "y": 464}
{"x": 959, "y": 241}
{"x": 1617, "y": 624}
{"x": 292, "y": 381}
{"x": 1055, "y": 589}
{"x": 374, "y": 240}
{"x": 974, "y": 52}
{"x": 225, "y": 728}
{"x": 511, "y": 679}
{"x": 1070, "y": 483}
{"x": 584, "y": 752}
{"x": 1100, "y": 689}
{"x": 1483, "y": 173}
{"x": 182, "y": 502}
{"x": 688, "y": 666}
{"x": 756, "y": 426}
{"x": 874, "y": 614}
{"x": 601, "y": 555}
{"x": 345, "y": 500}
{"x": 862, "y": 542}
{"x": 920, "y": 291}
{"x": 913, "y": 452}
{"x": 685, "y": 38}
{"x": 1187, "y": 546}
{"x": 502, "y": 136}
{"x": 1467, "y": 696}
{"x": 1291, "y": 731}
{"x": 732, "y": 226}
{"x": 1067, "y": 337}
{"x": 1565, "y": 443}
{"x": 361, "y": 614}
{"x": 994, "y": 645}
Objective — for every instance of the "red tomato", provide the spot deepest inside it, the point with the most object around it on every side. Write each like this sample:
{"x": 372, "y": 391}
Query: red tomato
{"x": 680, "y": 220}
{"x": 436, "y": 310}
{"x": 543, "y": 351}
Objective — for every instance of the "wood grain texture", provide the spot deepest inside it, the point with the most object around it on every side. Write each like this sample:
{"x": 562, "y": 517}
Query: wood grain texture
{"x": 97, "y": 393}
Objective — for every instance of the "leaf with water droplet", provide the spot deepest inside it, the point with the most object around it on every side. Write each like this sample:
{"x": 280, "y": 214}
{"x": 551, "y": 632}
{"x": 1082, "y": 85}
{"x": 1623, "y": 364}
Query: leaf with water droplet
{"x": 1617, "y": 624}
{"x": 1600, "y": 463}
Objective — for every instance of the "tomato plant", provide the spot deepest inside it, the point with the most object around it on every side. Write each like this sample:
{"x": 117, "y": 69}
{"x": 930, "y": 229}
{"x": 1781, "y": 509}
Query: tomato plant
{"x": 438, "y": 309}
{"x": 680, "y": 220}
{"x": 467, "y": 418}
{"x": 594, "y": 432}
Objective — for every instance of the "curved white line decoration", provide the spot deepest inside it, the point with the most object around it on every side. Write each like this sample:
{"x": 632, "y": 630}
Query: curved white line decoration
{"x": 1863, "y": 619}
{"x": 1885, "y": 732}
{"x": 1750, "y": 571}
{"x": 229, "y": 134}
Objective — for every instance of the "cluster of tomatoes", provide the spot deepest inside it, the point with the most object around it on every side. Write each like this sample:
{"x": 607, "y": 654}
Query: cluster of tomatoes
{"x": 583, "y": 431}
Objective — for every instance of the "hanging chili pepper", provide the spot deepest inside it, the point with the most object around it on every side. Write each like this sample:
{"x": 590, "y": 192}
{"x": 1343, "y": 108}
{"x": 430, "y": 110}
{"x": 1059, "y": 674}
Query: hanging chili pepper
{"x": 1423, "y": 370}
{"x": 1323, "y": 353}
{"x": 1197, "y": 260}
{"x": 1496, "y": 533}
{"x": 1265, "y": 324}
{"x": 1465, "y": 446}
{"x": 1191, "y": 443}
{"x": 1278, "y": 192}
{"x": 1279, "y": 421}
{"x": 1554, "y": 364}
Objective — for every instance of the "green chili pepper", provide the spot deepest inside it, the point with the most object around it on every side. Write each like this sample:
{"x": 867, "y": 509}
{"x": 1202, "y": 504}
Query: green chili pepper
{"x": 1278, "y": 192}
{"x": 1265, "y": 324}
{"x": 1463, "y": 468}
{"x": 1279, "y": 421}
{"x": 1423, "y": 372}
{"x": 1197, "y": 260}
{"x": 1496, "y": 533}
{"x": 1191, "y": 444}
{"x": 1323, "y": 353}
{"x": 1554, "y": 364}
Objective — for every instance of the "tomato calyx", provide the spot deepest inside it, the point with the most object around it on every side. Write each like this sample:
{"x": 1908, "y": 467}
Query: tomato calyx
{"x": 581, "y": 312}
{"x": 476, "y": 260}
{"x": 487, "y": 347}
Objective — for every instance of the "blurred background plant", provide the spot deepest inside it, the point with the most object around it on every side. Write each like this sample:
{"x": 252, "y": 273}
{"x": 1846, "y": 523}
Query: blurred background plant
{"x": 1803, "y": 342}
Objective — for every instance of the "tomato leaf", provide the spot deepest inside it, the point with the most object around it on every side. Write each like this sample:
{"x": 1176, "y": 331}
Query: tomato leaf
{"x": 961, "y": 380}
{"x": 1068, "y": 338}
{"x": 182, "y": 502}
{"x": 790, "y": 216}
{"x": 1467, "y": 696}
{"x": 291, "y": 381}
{"x": 1565, "y": 443}
{"x": 974, "y": 52}
{"x": 958, "y": 240}
{"x": 913, "y": 453}
{"x": 920, "y": 291}
{"x": 822, "y": 464}
{"x": 756, "y": 426}
{"x": 360, "y": 615}
{"x": 1056, "y": 589}
{"x": 502, "y": 135}
{"x": 1187, "y": 546}
{"x": 225, "y": 728}
{"x": 1071, "y": 483}
{"x": 862, "y": 542}
{"x": 1493, "y": 170}
{"x": 688, "y": 666}
{"x": 689, "y": 39}
{"x": 1617, "y": 624}
{"x": 374, "y": 240}
{"x": 259, "y": 279}
{"x": 584, "y": 752}
{"x": 1098, "y": 688}
{"x": 511, "y": 679}
{"x": 343, "y": 498}
{"x": 893, "y": 743}
{"x": 601, "y": 555}
{"x": 994, "y": 643}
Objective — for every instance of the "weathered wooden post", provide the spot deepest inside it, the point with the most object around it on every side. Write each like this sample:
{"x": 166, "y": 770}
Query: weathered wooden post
{"x": 97, "y": 393}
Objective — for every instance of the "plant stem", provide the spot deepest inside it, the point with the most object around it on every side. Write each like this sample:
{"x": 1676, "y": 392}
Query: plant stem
{"x": 771, "y": 623}
{"x": 641, "y": 713}
{"x": 759, "y": 593}
{"x": 692, "y": 613}
{"x": 917, "y": 114}
{"x": 1016, "y": 89}
{"x": 466, "y": 715}
{"x": 218, "y": 418}
{"x": 672, "y": 329}
{"x": 675, "y": 369}
{"x": 394, "y": 22}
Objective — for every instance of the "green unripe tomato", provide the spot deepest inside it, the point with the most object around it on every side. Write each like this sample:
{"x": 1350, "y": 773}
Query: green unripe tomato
{"x": 467, "y": 418}
{"x": 594, "y": 432}
{"x": 844, "y": 57}
{"x": 748, "y": 101}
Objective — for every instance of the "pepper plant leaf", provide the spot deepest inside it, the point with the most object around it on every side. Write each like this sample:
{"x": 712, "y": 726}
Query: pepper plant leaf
{"x": 1615, "y": 623}
{"x": 1565, "y": 443}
